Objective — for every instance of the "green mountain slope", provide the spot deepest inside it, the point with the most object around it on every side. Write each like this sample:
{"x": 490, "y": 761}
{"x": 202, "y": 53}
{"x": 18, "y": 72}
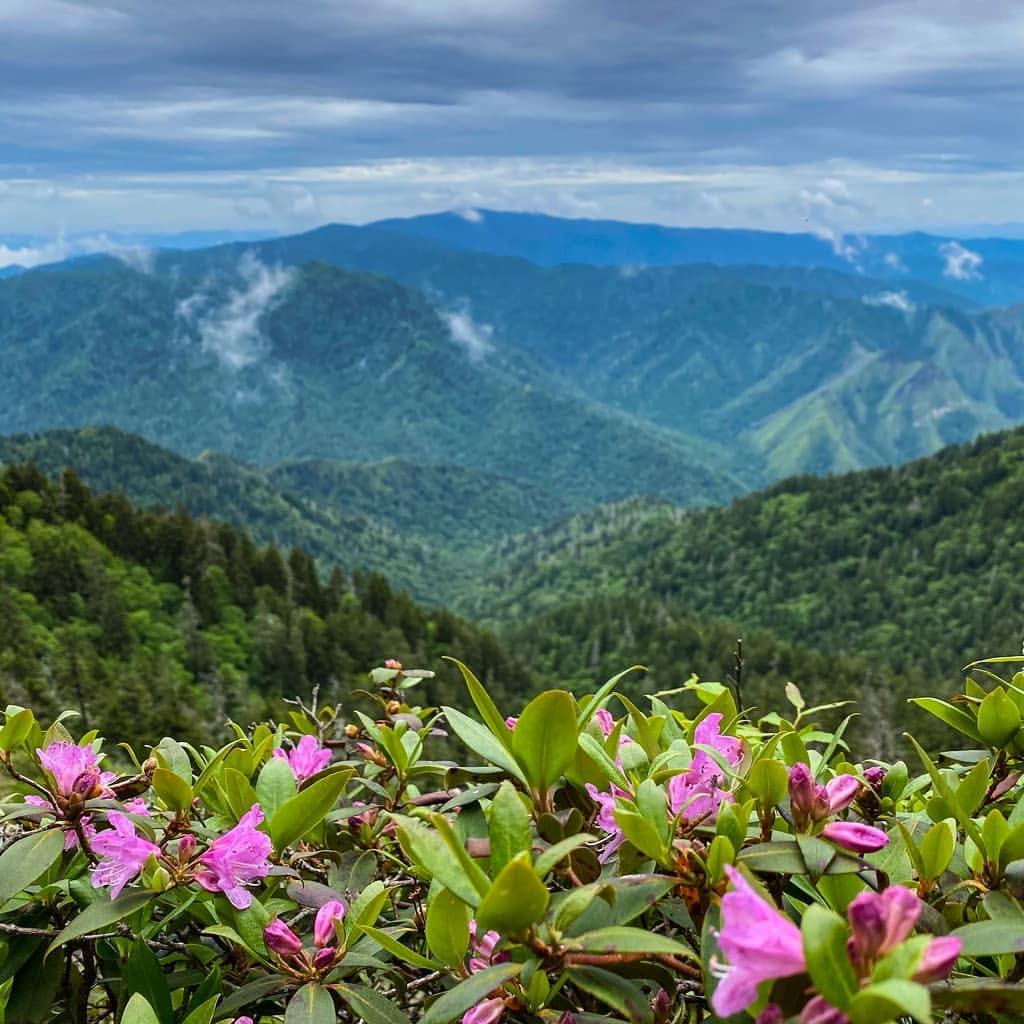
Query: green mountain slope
{"x": 149, "y": 623}
{"x": 915, "y": 568}
{"x": 268, "y": 364}
{"x": 426, "y": 527}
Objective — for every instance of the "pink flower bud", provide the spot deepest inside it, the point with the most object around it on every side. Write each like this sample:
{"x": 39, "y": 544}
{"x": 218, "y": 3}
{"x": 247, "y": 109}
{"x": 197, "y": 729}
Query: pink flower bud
{"x": 324, "y": 958}
{"x": 868, "y": 924}
{"x": 393, "y": 663}
{"x": 801, "y": 794}
{"x": 874, "y": 776}
{"x": 488, "y": 1011}
{"x": 938, "y": 959}
{"x": 512, "y": 721}
{"x": 323, "y": 927}
{"x": 243, "y": 1020}
{"x": 186, "y": 847}
{"x": 841, "y": 792}
{"x": 281, "y": 940}
{"x": 854, "y": 836}
{"x": 771, "y": 1014}
{"x": 88, "y": 784}
{"x": 818, "y": 1011}
{"x": 604, "y": 720}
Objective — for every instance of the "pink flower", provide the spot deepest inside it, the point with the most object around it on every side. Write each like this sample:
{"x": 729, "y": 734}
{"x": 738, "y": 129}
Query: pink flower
{"x": 122, "y": 854}
{"x": 485, "y": 1012}
{"x": 306, "y": 758}
{"x": 855, "y": 836}
{"x": 604, "y": 720}
{"x": 696, "y": 794}
{"x": 393, "y": 663}
{"x": 819, "y": 1011}
{"x": 484, "y": 947}
{"x": 237, "y": 859}
{"x": 759, "y": 942}
{"x": 880, "y": 921}
{"x": 137, "y": 806}
{"x": 512, "y": 721}
{"x": 771, "y": 1014}
{"x": 605, "y": 819}
{"x": 74, "y": 769}
{"x": 323, "y": 927}
{"x": 243, "y": 1020}
{"x": 938, "y": 959}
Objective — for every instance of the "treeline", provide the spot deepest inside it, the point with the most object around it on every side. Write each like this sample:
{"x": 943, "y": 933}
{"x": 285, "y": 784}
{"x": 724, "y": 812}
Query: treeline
{"x": 150, "y": 623}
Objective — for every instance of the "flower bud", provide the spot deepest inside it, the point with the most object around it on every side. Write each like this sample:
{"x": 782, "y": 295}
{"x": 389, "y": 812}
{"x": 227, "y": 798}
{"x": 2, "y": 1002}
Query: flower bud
{"x": 323, "y": 927}
{"x": 324, "y": 958}
{"x": 771, "y": 1014}
{"x": 88, "y": 784}
{"x": 281, "y": 940}
{"x": 818, "y": 1011}
{"x": 487, "y": 1011}
{"x": 393, "y": 707}
{"x": 186, "y": 847}
{"x": 938, "y": 959}
{"x": 874, "y": 776}
{"x": 801, "y": 795}
{"x": 841, "y": 792}
{"x": 351, "y": 731}
{"x": 868, "y": 925}
{"x": 512, "y": 721}
{"x": 854, "y": 836}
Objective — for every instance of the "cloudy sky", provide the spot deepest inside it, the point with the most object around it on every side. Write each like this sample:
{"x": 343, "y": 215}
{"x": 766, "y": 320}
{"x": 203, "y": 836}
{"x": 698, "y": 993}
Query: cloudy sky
{"x": 170, "y": 115}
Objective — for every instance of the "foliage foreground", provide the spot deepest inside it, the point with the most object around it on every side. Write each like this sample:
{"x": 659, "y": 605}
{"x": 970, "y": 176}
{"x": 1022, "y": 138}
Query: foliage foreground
{"x": 654, "y": 867}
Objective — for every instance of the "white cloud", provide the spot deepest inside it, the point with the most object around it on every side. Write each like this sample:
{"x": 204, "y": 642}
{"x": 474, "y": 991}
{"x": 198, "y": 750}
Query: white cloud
{"x": 475, "y": 338}
{"x": 893, "y": 262}
{"x": 232, "y": 331}
{"x": 896, "y": 300}
{"x": 961, "y": 264}
{"x": 470, "y": 214}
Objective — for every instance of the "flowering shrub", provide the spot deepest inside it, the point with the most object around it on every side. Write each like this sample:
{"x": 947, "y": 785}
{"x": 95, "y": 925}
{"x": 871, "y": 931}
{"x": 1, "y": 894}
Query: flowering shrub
{"x": 585, "y": 861}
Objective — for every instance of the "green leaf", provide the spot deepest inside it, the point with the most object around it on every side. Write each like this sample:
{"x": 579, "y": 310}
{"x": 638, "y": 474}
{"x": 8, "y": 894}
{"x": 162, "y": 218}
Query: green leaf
{"x": 101, "y": 914}
{"x": 508, "y": 826}
{"x": 396, "y": 949}
{"x": 781, "y": 856}
{"x": 482, "y": 742}
{"x": 768, "y": 781}
{"x": 203, "y": 1013}
{"x": 953, "y": 716}
{"x": 817, "y": 854}
{"x": 594, "y": 701}
{"x": 478, "y": 986}
{"x": 516, "y": 899}
{"x": 143, "y": 975}
{"x": 312, "y": 1004}
{"x": 629, "y": 940}
{"x": 973, "y": 786}
{"x": 888, "y": 1000}
{"x": 470, "y": 868}
{"x": 17, "y": 726}
{"x": 275, "y": 785}
{"x": 369, "y": 1006}
{"x": 175, "y": 792}
{"x": 947, "y": 795}
{"x": 824, "y": 937}
{"x": 982, "y": 995}
{"x": 991, "y": 938}
{"x": 138, "y": 1011}
{"x": 428, "y": 849}
{"x": 998, "y": 718}
{"x": 367, "y": 907}
{"x": 493, "y": 718}
{"x": 24, "y": 861}
{"x": 544, "y": 740}
{"x": 448, "y": 927}
{"x": 307, "y": 809}
{"x": 238, "y": 790}
{"x": 621, "y": 994}
{"x": 641, "y": 833}
{"x": 937, "y": 848}
{"x": 554, "y": 855}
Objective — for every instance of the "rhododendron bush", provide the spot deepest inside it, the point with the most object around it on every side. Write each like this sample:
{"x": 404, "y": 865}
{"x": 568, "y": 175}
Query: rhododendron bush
{"x": 584, "y": 860}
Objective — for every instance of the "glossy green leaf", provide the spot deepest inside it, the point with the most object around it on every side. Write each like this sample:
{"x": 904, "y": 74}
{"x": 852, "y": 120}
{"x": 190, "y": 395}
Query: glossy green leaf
{"x": 138, "y": 1011}
{"x": 369, "y": 1006}
{"x": 991, "y": 938}
{"x": 101, "y": 914}
{"x": 312, "y": 1004}
{"x": 456, "y": 1001}
{"x": 891, "y": 999}
{"x": 544, "y": 739}
{"x": 508, "y": 826}
{"x": 25, "y": 860}
{"x": 481, "y": 741}
{"x": 306, "y": 810}
{"x": 824, "y": 937}
{"x": 275, "y": 785}
{"x": 448, "y": 927}
{"x": 516, "y": 899}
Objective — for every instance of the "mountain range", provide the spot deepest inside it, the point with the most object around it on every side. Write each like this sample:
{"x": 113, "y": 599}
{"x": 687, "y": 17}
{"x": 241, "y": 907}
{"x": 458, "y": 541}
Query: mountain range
{"x": 691, "y": 383}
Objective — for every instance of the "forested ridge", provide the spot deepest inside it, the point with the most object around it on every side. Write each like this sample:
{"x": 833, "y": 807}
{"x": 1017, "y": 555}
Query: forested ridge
{"x": 915, "y": 568}
{"x": 152, "y": 622}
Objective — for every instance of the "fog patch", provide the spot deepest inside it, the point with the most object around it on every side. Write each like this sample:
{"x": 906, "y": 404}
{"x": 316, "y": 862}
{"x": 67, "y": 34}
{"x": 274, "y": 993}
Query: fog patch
{"x": 231, "y": 330}
{"x": 895, "y": 300}
{"x": 961, "y": 263}
{"x": 475, "y": 338}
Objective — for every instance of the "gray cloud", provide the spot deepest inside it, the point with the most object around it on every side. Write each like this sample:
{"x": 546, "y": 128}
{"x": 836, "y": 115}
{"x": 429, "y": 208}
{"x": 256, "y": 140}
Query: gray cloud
{"x": 474, "y": 337}
{"x": 750, "y": 106}
{"x": 895, "y": 300}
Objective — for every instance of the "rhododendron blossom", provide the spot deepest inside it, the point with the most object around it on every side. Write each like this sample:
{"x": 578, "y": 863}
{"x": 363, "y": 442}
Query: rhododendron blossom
{"x": 855, "y": 836}
{"x": 123, "y": 854}
{"x": 759, "y": 944}
{"x": 74, "y": 769}
{"x": 237, "y": 859}
{"x": 605, "y": 819}
{"x": 306, "y": 758}
{"x": 323, "y": 926}
{"x": 696, "y": 794}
